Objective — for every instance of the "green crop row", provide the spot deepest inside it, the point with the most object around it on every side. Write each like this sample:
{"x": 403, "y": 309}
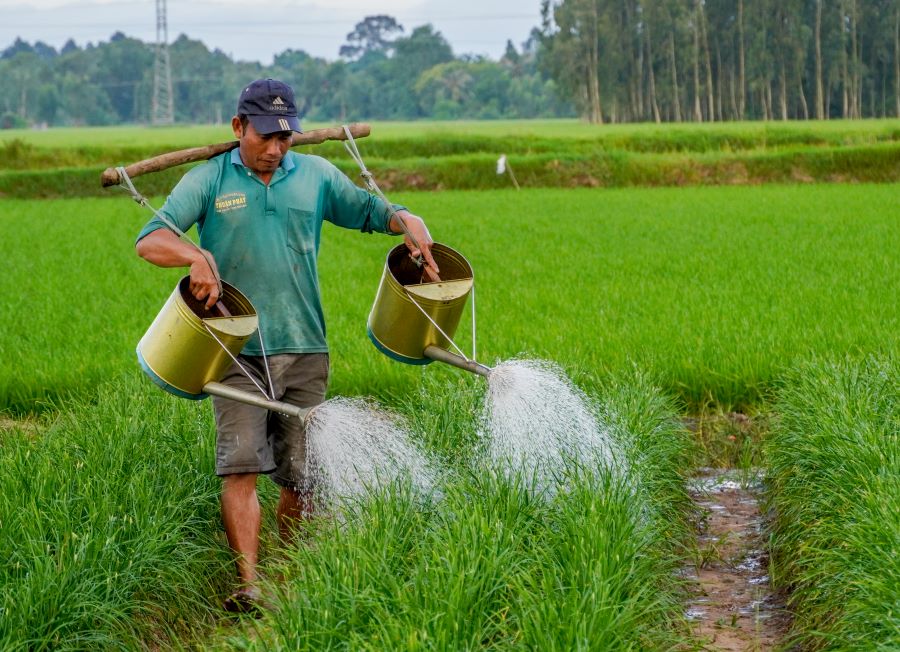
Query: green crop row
{"x": 714, "y": 290}
{"x": 109, "y": 534}
{"x": 490, "y": 565}
{"x": 108, "y": 524}
{"x": 834, "y": 475}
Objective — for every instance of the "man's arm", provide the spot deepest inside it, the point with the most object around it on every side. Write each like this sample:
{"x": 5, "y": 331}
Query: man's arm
{"x": 164, "y": 249}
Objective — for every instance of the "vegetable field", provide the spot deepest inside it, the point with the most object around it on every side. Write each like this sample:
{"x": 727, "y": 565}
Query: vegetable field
{"x": 663, "y": 305}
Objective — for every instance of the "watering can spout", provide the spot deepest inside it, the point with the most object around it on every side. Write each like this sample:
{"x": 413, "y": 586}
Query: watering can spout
{"x": 441, "y": 355}
{"x": 224, "y": 391}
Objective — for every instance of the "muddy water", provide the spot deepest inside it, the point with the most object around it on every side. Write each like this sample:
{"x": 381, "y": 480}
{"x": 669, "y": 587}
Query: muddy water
{"x": 733, "y": 606}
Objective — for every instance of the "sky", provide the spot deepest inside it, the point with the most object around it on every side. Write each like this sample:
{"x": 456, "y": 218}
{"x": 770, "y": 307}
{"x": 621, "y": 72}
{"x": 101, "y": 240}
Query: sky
{"x": 257, "y": 30}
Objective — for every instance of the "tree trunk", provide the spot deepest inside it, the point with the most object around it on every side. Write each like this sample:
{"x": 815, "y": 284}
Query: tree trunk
{"x": 698, "y": 112}
{"x": 742, "y": 83}
{"x": 820, "y": 99}
{"x": 782, "y": 91}
{"x": 23, "y": 102}
{"x": 594, "y": 67}
{"x": 732, "y": 91}
{"x": 720, "y": 83}
{"x": 651, "y": 77}
{"x": 845, "y": 76}
{"x": 636, "y": 52}
{"x": 710, "y": 98}
{"x": 855, "y": 93}
{"x": 804, "y": 108}
{"x": 710, "y": 89}
{"x": 897, "y": 60}
{"x": 676, "y": 102}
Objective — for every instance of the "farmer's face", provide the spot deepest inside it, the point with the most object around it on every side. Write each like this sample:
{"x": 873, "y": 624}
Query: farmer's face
{"x": 262, "y": 153}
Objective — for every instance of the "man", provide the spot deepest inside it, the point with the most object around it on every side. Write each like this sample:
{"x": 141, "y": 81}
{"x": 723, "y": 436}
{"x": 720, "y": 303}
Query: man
{"x": 259, "y": 211}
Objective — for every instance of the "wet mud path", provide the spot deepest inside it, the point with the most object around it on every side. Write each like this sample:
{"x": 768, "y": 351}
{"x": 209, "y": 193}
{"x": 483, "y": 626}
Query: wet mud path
{"x": 732, "y": 605}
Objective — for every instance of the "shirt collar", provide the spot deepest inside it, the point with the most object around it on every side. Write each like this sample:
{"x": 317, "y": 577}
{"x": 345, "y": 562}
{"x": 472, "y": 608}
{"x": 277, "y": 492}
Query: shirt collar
{"x": 287, "y": 163}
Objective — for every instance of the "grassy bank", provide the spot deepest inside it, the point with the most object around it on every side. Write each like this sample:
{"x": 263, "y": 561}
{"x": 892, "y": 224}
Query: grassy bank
{"x": 432, "y": 156}
{"x": 834, "y": 472}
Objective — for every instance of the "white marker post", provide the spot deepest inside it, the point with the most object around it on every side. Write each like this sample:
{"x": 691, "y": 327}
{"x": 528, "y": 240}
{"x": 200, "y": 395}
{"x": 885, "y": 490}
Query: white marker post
{"x": 504, "y": 166}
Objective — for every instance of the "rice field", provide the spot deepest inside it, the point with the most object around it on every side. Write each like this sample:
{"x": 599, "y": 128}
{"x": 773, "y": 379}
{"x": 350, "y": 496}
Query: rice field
{"x": 716, "y": 291}
{"x": 655, "y": 303}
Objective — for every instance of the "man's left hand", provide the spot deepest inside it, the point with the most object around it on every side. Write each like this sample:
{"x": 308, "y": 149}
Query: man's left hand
{"x": 416, "y": 227}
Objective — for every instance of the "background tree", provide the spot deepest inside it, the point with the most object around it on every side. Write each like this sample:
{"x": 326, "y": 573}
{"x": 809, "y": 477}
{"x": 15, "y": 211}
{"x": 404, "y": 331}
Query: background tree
{"x": 371, "y": 35}
{"x": 607, "y": 60}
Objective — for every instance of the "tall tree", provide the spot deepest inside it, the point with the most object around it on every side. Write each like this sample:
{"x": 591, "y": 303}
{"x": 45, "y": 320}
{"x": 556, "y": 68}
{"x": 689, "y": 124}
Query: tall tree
{"x": 572, "y": 51}
{"x": 372, "y": 34}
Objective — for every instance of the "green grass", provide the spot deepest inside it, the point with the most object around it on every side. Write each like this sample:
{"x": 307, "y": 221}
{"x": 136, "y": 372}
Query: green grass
{"x": 111, "y": 540}
{"x": 109, "y": 524}
{"x": 834, "y": 474}
{"x": 715, "y": 290}
{"x": 833, "y": 131}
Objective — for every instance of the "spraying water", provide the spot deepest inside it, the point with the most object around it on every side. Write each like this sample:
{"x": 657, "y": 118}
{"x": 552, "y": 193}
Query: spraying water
{"x": 354, "y": 447}
{"x": 537, "y": 422}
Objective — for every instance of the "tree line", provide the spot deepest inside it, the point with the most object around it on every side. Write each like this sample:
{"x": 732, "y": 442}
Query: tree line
{"x": 382, "y": 73}
{"x": 606, "y": 60}
{"x": 711, "y": 60}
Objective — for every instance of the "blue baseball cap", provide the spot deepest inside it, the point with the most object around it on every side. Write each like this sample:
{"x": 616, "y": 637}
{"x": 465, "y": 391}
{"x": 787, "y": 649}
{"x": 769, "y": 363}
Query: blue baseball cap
{"x": 270, "y": 106}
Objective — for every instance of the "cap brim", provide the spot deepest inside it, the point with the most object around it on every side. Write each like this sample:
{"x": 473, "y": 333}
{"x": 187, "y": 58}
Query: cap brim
{"x": 269, "y": 124}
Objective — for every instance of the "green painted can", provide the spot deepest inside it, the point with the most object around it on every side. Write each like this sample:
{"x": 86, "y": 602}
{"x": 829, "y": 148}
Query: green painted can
{"x": 183, "y": 349}
{"x": 397, "y": 324}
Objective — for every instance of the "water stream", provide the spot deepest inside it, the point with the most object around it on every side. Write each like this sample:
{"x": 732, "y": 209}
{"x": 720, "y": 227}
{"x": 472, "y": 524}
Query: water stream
{"x": 537, "y": 422}
{"x": 353, "y": 446}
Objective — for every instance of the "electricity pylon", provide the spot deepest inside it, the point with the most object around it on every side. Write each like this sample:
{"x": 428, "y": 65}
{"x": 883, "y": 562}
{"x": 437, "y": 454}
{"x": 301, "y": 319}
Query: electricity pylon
{"x": 163, "y": 111}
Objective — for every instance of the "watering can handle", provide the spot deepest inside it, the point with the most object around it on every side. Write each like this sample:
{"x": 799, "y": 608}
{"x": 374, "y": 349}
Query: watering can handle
{"x": 208, "y": 258}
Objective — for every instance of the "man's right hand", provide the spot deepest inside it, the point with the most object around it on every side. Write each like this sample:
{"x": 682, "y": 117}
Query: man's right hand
{"x": 205, "y": 279}
{"x": 165, "y": 249}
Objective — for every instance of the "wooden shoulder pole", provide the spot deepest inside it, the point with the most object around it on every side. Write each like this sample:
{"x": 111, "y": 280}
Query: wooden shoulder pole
{"x": 110, "y": 177}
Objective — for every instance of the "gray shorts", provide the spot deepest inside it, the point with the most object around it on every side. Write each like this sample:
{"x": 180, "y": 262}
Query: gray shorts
{"x": 252, "y": 439}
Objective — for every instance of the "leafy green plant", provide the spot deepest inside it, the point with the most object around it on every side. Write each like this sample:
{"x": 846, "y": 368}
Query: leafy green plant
{"x": 834, "y": 472}
{"x": 108, "y": 524}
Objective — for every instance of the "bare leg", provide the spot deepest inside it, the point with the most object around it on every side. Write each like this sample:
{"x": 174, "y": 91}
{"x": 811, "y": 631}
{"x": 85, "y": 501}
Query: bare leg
{"x": 241, "y": 516}
{"x": 293, "y": 506}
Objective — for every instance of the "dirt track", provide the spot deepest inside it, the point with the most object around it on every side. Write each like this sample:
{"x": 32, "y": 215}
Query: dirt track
{"x": 733, "y": 606}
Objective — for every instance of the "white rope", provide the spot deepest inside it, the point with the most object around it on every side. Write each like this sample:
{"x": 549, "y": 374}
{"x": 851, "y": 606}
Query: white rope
{"x": 474, "y": 356}
{"x": 271, "y": 396}
{"x": 125, "y": 182}
{"x": 435, "y": 324}
{"x": 353, "y": 150}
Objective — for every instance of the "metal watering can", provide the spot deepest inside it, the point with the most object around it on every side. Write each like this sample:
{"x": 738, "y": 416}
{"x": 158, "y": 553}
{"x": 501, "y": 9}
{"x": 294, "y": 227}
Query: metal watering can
{"x": 412, "y": 320}
{"x": 188, "y": 348}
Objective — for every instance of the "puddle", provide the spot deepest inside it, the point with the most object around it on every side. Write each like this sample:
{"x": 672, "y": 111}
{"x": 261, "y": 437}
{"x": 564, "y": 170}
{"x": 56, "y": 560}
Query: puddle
{"x": 732, "y": 605}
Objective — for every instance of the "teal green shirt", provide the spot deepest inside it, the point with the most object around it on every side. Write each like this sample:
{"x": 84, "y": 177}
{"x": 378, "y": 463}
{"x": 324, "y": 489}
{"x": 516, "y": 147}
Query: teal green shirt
{"x": 265, "y": 239}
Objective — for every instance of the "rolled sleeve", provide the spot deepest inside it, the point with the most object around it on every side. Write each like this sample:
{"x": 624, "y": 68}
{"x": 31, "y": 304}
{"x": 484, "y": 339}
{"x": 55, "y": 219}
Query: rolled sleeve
{"x": 185, "y": 205}
{"x": 353, "y": 207}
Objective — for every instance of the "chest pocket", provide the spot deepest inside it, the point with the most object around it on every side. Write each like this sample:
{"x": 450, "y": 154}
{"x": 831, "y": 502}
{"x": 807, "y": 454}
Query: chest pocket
{"x": 301, "y": 231}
